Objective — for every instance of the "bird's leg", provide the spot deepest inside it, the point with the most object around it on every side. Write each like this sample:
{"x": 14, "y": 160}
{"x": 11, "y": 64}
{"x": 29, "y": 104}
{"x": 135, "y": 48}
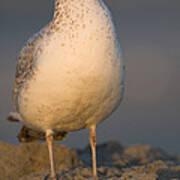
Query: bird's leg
{"x": 49, "y": 139}
{"x": 93, "y": 142}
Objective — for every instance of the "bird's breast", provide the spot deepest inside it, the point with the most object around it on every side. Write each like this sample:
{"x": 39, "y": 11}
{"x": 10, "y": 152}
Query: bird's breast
{"x": 76, "y": 81}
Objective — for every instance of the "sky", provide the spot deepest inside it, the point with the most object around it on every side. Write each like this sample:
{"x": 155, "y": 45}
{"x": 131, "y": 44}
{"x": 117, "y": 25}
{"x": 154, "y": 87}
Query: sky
{"x": 149, "y": 34}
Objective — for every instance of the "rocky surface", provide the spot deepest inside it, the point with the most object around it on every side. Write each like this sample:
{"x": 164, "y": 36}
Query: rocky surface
{"x": 115, "y": 162}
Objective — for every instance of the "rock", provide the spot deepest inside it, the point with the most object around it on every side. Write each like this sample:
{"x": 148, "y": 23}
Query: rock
{"x": 139, "y": 162}
{"x": 18, "y": 161}
{"x": 144, "y": 154}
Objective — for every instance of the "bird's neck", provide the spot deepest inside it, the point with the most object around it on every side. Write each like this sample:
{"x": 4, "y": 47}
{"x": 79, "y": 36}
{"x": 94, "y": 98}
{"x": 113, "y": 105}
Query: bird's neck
{"x": 66, "y": 1}
{"x": 61, "y": 6}
{"x": 67, "y": 12}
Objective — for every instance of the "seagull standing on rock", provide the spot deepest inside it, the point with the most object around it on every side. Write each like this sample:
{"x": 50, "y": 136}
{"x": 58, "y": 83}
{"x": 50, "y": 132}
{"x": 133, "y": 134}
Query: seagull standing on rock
{"x": 69, "y": 76}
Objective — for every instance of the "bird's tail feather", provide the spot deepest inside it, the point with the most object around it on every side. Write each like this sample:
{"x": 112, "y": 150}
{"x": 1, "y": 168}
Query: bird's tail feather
{"x": 28, "y": 135}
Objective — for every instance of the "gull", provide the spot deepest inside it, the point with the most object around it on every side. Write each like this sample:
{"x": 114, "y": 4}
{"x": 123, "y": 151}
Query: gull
{"x": 69, "y": 76}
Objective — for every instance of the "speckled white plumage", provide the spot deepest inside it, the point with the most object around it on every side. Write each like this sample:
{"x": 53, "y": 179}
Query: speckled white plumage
{"x": 76, "y": 78}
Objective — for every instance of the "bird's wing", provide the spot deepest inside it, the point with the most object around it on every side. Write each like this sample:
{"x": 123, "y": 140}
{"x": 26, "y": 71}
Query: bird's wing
{"x": 25, "y": 64}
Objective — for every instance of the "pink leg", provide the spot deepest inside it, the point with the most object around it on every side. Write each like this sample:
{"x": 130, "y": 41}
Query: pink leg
{"x": 93, "y": 142}
{"x": 49, "y": 139}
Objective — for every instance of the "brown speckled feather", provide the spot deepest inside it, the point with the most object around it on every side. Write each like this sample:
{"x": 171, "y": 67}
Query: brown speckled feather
{"x": 25, "y": 64}
{"x": 23, "y": 69}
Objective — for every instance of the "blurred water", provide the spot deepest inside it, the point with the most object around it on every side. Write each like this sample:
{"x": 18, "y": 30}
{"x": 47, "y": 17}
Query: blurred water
{"x": 149, "y": 32}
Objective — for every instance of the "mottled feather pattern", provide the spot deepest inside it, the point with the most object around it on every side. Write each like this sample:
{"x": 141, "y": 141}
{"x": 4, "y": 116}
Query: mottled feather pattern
{"x": 25, "y": 64}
